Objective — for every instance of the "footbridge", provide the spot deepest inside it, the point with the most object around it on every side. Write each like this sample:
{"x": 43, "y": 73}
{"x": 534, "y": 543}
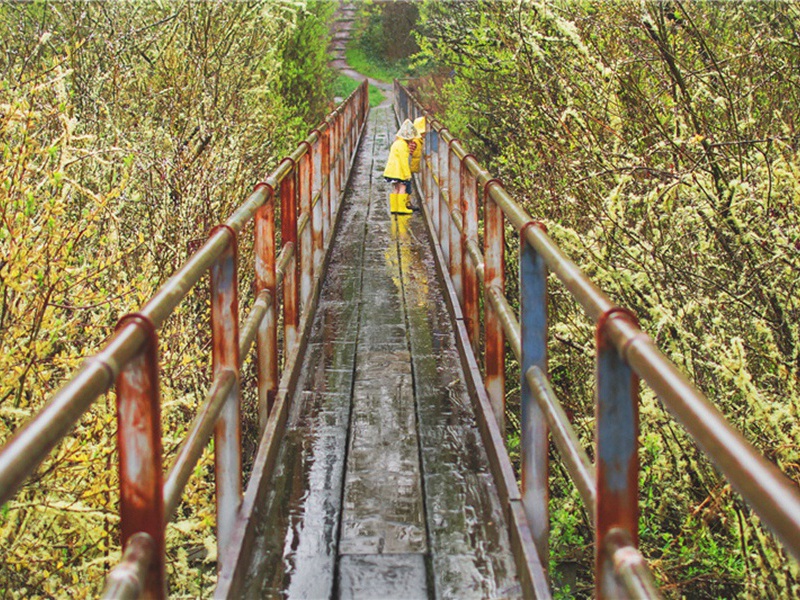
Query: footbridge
{"x": 381, "y": 469}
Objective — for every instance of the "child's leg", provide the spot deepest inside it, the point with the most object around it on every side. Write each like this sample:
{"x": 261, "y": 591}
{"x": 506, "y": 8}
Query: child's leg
{"x": 398, "y": 199}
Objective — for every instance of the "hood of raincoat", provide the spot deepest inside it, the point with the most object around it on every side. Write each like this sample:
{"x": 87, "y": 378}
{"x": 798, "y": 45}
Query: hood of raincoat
{"x": 419, "y": 125}
{"x": 407, "y": 131}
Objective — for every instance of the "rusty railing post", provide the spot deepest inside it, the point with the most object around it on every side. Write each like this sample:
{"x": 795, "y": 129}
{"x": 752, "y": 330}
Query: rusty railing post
{"x": 338, "y": 162}
{"x": 445, "y": 220}
{"x": 617, "y": 406}
{"x": 469, "y": 274}
{"x": 456, "y": 256}
{"x": 325, "y": 195}
{"x": 494, "y": 354}
{"x": 534, "y": 442}
{"x": 141, "y": 476}
{"x": 435, "y": 200}
{"x": 428, "y": 180}
{"x": 267, "y": 340}
{"x": 225, "y": 356}
{"x": 317, "y": 216}
{"x": 291, "y": 292}
{"x": 304, "y": 177}
{"x": 426, "y": 171}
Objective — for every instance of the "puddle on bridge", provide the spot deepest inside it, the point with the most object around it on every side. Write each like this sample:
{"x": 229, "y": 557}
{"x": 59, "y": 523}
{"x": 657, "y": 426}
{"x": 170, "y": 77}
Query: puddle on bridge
{"x": 381, "y": 487}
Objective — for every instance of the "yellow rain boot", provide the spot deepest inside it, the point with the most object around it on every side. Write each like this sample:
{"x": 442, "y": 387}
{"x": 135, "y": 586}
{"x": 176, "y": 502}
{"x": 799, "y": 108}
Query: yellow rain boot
{"x": 402, "y": 205}
{"x": 393, "y": 203}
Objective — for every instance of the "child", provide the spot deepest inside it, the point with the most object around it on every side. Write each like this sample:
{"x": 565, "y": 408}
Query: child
{"x": 398, "y": 169}
{"x": 416, "y": 153}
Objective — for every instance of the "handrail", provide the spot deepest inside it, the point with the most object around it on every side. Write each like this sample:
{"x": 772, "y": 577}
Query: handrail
{"x": 452, "y": 181}
{"x": 309, "y": 184}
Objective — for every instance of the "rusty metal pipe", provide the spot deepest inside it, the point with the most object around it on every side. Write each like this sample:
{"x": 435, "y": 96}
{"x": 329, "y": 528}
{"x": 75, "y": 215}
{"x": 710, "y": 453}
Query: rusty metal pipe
{"x": 630, "y": 567}
{"x": 196, "y": 441}
{"x": 302, "y": 222}
{"x": 494, "y": 284}
{"x": 476, "y": 256}
{"x": 175, "y": 289}
{"x": 458, "y": 219}
{"x": 771, "y": 494}
{"x": 126, "y": 580}
{"x": 284, "y": 260}
{"x": 245, "y": 213}
{"x": 34, "y": 441}
{"x": 576, "y": 460}
{"x": 267, "y": 331}
{"x": 254, "y": 318}
{"x": 139, "y": 445}
{"x": 594, "y": 302}
{"x": 225, "y": 356}
{"x": 507, "y": 318}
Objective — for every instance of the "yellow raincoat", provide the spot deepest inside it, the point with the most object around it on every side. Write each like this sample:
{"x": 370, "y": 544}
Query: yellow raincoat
{"x": 397, "y": 166}
{"x": 416, "y": 156}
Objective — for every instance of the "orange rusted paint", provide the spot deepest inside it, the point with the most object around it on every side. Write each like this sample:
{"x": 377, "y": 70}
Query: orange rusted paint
{"x": 139, "y": 443}
{"x": 494, "y": 355}
{"x": 291, "y": 289}
{"x": 267, "y": 345}
{"x": 305, "y": 178}
{"x": 325, "y": 197}
{"x": 469, "y": 275}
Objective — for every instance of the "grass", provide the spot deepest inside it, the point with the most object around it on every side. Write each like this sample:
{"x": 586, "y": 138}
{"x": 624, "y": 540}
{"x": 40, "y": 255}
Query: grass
{"x": 344, "y": 86}
{"x": 369, "y": 67}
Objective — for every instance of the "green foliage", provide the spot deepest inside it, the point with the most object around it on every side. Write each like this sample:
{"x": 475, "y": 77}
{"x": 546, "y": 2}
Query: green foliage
{"x": 383, "y": 42}
{"x": 127, "y": 131}
{"x": 385, "y": 31}
{"x": 658, "y": 141}
{"x": 306, "y": 80}
{"x": 368, "y": 66}
{"x": 344, "y": 86}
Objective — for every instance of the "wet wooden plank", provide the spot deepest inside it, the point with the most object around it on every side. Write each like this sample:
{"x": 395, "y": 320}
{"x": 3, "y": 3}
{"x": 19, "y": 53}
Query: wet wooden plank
{"x": 387, "y": 576}
{"x": 383, "y": 508}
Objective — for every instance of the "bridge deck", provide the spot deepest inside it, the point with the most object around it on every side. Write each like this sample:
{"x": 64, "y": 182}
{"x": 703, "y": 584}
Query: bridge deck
{"x": 382, "y": 488}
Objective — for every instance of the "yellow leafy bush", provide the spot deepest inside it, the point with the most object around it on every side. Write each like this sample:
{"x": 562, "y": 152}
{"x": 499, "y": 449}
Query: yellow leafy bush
{"x": 127, "y": 131}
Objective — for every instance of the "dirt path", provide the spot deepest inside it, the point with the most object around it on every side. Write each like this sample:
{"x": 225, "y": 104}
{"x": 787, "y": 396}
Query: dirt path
{"x": 344, "y": 18}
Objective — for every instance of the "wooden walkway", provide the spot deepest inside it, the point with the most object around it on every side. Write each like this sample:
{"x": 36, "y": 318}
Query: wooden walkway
{"x": 381, "y": 488}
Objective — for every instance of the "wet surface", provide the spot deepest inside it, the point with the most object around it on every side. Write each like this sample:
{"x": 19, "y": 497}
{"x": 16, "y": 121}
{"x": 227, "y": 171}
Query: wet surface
{"x": 381, "y": 488}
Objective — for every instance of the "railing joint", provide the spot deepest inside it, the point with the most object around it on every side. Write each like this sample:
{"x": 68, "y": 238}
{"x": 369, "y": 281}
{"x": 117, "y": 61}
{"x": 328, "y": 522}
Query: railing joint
{"x": 493, "y": 181}
{"x": 234, "y": 238}
{"x": 288, "y": 159}
{"x": 602, "y": 322}
{"x": 538, "y": 224}
{"x": 305, "y": 143}
{"x": 264, "y": 184}
{"x": 136, "y": 318}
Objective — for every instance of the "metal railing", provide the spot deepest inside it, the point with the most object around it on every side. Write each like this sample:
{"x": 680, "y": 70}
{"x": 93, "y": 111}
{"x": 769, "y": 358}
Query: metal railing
{"x": 453, "y": 182}
{"x": 308, "y": 185}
